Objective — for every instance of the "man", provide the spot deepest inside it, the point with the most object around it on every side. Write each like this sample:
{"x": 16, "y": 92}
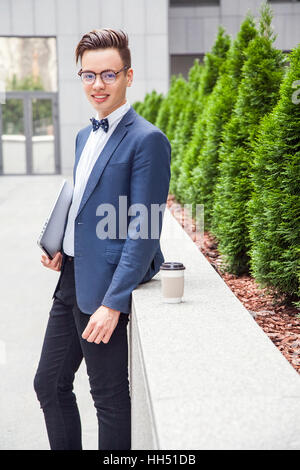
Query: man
{"x": 122, "y": 167}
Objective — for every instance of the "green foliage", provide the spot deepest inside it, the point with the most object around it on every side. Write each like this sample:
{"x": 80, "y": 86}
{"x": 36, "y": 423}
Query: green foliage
{"x": 213, "y": 63}
{"x": 172, "y": 102}
{"x": 183, "y": 129}
{"x": 150, "y": 106}
{"x": 258, "y": 93}
{"x": 27, "y": 83}
{"x": 13, "y": 114}
{"x": 218, "y": 111}
{"x": 179, "y": 98}
{"x": 275, "y": 204}
{"x": 236, "y": 149}
{"x": 13, "y": 117}
{"x": 265, "y": 22}
{"x": 138, "y": 106}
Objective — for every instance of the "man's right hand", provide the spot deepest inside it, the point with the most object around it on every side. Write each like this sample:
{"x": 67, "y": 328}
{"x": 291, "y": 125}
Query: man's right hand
{"x": 54, "y": 263}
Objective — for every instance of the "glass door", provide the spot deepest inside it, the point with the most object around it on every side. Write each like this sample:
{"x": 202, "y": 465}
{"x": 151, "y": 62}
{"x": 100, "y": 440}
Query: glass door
{"x": 29, "y": 129}
{"x": 13, "y": 137}
{"x": 43, "y": 148}
{"x": 29, "y": 137}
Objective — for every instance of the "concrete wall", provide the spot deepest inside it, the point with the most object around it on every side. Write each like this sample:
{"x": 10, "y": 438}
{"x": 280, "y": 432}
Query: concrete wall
{"x": 204, "y": 375}
{"x": 192, "y": 30}
{"x": 145, "y": 21}
{"x": 14, "y": 154}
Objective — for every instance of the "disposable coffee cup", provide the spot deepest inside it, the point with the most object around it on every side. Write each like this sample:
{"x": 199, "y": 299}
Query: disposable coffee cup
{"x": 172, "y": 281}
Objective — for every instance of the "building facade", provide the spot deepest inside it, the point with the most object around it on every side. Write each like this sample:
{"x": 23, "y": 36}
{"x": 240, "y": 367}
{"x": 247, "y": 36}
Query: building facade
{"x": 193, "y": 26}
{"x": 164, "y": 38}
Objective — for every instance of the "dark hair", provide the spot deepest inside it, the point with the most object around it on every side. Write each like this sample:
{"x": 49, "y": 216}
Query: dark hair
{"x": 104, "y": 39}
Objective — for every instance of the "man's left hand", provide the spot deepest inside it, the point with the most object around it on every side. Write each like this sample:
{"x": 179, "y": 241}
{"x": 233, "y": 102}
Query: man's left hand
{"x": 101, "y": 325}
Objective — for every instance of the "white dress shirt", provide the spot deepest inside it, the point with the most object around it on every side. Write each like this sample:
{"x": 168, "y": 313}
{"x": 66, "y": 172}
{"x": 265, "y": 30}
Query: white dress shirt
{"x": 91, "y": 152}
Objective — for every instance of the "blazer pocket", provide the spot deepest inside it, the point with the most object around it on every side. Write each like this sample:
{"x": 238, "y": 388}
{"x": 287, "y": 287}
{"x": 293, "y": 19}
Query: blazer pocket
{"x": 113, "y": 256}
{"x": 117, "y": 164}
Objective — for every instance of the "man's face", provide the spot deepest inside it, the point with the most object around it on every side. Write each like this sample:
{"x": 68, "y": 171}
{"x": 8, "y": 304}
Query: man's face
{"x": 105, "y": 98}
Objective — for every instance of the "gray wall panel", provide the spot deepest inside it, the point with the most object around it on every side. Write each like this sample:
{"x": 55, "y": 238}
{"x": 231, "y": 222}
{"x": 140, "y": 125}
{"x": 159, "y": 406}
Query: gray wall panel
{"x": 89, "y": 15}
{"x": 156, "y": 17}
{"x": 184, "y": 22}
{"x": 22, "y": 17}
{"x": 137, "y": 44}
{"x": 134, "y": 20}
{"x": 156, "y": 57}
{"x": 195, "y": 35}
{"x": 178, "y": 31}
{"x": 5, "y": 17}
{"x": 45, "y": 24}
{"x": 67, "y": 17}
{"x": 112, "y": 14}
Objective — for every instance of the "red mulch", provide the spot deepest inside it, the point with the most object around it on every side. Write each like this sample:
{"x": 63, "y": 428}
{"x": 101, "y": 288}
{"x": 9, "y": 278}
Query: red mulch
{"x": 279, "y": 320}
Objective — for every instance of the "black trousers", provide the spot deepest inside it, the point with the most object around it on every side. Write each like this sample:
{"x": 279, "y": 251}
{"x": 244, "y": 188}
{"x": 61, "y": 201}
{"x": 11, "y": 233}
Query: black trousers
{"x": 107, "y": 368}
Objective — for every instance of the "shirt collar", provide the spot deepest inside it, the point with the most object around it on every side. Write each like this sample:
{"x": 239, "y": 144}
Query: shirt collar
{"x": 117, "y": 113}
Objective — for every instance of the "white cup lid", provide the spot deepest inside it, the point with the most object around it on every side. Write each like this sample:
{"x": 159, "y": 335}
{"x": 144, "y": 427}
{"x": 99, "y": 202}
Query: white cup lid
{"x": 172, "y": 266}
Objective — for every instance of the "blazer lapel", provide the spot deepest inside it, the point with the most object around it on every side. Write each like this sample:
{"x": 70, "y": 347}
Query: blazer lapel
{"x": 79, "y": 150}
{"x": 114, "y": 140}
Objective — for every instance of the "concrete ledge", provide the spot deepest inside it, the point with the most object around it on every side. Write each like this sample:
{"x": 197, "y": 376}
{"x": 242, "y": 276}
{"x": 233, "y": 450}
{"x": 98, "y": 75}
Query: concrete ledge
{"x": 203, "y": 374}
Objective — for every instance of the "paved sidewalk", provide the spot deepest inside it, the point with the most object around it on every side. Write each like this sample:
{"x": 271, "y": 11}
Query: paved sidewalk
{"x": 26, "y": 291}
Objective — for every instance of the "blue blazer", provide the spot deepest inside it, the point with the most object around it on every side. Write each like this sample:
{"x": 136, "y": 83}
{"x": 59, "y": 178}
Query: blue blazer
{"x": 134, "y": 163}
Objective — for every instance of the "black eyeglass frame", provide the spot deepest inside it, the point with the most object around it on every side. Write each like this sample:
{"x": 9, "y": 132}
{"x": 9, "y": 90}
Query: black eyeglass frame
{"x": 126, "y": 67}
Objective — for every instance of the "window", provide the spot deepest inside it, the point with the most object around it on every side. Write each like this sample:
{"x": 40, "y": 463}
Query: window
{"x": 283, "y": 1}
{"x": 181, "y": 63}
{"x": 28, "y": 106}
{"x": 193, "y": 3}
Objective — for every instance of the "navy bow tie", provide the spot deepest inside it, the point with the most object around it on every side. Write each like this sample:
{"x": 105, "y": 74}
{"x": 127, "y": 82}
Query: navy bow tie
{"x": 103, "y": 123}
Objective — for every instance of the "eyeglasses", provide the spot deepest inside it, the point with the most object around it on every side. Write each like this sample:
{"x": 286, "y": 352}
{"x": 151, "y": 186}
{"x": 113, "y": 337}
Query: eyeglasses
{"x": 107, "y": 76}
